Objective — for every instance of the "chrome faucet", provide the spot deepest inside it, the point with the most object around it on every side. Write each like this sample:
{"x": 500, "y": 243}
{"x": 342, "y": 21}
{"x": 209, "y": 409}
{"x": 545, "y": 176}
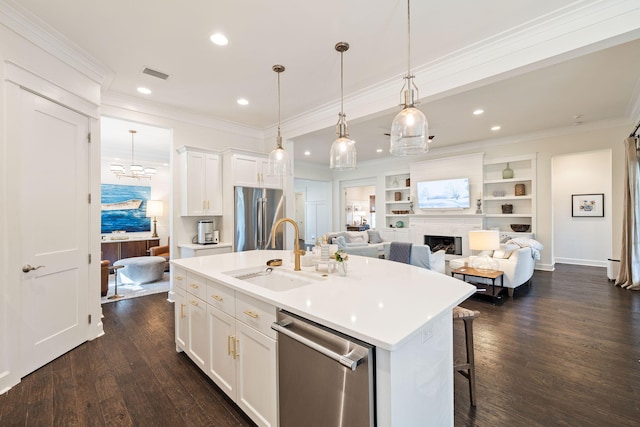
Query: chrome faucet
{"x": 296, "y": 244}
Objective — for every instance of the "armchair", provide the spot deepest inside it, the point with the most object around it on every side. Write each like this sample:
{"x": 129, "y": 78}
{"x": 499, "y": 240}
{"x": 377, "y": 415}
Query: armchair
{"x": 162, "y": 251}
{"x": 421, "y": 256}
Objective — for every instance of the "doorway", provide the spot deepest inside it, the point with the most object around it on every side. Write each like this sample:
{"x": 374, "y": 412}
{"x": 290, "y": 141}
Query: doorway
{"x": 358, "y": 203}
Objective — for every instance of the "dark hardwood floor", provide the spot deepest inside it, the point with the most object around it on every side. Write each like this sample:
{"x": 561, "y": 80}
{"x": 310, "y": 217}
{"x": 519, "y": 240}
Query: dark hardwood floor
{"x": 565, "y": 352}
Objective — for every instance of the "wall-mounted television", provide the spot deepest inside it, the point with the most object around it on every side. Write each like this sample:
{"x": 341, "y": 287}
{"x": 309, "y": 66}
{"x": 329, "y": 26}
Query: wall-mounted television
{"x": 444, "y": 194}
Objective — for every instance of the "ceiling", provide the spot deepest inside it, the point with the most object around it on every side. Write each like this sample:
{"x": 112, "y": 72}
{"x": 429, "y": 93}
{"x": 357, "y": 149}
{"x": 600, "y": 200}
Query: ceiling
{"x": 173, "y": 37}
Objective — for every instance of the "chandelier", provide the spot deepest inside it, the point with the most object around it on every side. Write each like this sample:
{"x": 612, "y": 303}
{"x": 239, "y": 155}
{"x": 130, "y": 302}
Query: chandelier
{"x": 135, "y": 170}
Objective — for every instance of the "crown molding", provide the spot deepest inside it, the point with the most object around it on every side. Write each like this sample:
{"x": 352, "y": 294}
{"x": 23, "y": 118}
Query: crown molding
{"x": 27, "y": 25}
{"x": 577, "y": 29}
{"x": 130, "y": 103}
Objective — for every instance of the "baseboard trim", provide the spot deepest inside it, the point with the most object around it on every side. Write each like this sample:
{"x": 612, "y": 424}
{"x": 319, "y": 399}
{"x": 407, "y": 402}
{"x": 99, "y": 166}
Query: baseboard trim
{"x": 586, "y": 262}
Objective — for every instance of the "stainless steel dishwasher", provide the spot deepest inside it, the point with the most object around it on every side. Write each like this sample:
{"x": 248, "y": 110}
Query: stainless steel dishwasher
{"x": 325, "y": 378}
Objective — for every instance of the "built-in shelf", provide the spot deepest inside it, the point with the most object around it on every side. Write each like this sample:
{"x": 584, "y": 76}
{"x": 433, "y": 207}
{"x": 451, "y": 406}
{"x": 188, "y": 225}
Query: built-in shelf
{"x": 524, "y": 207}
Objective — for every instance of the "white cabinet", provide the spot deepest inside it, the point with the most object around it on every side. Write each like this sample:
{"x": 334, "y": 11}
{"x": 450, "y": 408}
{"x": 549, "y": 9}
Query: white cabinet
{"x": 516, "y": 194}
{"x": 229, "y": 337}
{"x": 201, "y": 180}
{"x": 197, "y": 332}
{"x": 395, "y": 235}
{"x": 397, "y": 200}
{"x": 257, "y": 375}
{"x": 251, "y": 171}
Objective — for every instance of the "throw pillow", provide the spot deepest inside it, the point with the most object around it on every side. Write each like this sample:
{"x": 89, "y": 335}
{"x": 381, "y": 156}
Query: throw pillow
{"x": 374, "y": 236}
{"x": 340, "y": 241}
{"x": 357, "y": 237}
{"x": 505, "y": 251}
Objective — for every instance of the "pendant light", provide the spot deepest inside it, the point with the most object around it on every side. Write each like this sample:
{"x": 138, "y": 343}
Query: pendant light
{"x": 409, "y": 129}
{"x": 343, "y": 149}
{"x": 279, "y": 163}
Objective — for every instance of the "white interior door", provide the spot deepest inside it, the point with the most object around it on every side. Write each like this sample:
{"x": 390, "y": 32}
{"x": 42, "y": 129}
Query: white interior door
{"x": 54, "y": 224}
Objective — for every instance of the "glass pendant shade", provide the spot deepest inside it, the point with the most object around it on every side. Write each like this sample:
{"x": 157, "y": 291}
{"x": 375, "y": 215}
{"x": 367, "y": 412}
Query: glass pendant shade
{"x": 343, "y": 154}
{"x": 279, "y": 163}
{"x": 343, "y": 150}
{"x": 409, "y": 133}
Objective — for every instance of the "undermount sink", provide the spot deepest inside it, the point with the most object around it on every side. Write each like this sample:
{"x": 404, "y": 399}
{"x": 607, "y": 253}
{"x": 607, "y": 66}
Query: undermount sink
{"x": 274, "y": 279}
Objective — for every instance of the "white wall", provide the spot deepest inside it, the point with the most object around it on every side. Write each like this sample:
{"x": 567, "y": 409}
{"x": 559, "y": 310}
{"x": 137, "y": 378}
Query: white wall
{"x": 581, "y": 240}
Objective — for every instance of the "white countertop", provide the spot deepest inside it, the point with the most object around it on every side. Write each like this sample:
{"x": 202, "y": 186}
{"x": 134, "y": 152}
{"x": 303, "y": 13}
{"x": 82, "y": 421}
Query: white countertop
{"x": 381, "y": 302}
{"x": 197, "y": 247}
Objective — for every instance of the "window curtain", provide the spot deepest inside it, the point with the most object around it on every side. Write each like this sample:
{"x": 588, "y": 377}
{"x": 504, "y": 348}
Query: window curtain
{"x": 629, "y": 275}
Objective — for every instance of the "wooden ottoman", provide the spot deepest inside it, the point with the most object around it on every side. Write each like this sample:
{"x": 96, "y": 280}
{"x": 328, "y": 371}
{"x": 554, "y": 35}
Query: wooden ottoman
{"x": 142, "y": 269}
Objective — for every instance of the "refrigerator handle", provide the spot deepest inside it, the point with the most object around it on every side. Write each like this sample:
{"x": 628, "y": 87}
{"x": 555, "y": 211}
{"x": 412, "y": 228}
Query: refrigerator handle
{"x": 265, "y": 228}
{"x": 260, "y": 224}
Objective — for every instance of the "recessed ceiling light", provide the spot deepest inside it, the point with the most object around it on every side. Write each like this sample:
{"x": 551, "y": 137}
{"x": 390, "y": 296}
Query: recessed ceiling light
{"x": 478, "y": 112}
{"x": 379, "y": 150}
{"x": 307, "y": 153}
{"x": 219, "y": 39}
{"x": 144, "y": 90}
{"x": 243, "y": 101}
{"x": 495, "y": 128}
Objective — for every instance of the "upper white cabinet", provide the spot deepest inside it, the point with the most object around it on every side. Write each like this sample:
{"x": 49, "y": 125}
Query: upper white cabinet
{"x": 201, "y": 181}
{"x": 251, "y": 171}
{"x": 510, "y": 198}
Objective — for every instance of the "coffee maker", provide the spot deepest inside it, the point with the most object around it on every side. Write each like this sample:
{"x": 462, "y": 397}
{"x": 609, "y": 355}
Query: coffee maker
{"x": 206, "y": 234}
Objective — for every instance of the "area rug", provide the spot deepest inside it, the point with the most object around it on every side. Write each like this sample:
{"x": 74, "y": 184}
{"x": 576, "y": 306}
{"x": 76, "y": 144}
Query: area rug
{"x": 133, "y": 290}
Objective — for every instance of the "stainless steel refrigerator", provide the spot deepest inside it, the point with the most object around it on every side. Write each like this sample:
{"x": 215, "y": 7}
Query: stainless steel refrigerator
{"x": 256, "y": 212}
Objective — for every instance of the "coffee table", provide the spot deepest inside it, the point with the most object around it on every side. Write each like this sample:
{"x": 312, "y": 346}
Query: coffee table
{"x": 485, "y": 274}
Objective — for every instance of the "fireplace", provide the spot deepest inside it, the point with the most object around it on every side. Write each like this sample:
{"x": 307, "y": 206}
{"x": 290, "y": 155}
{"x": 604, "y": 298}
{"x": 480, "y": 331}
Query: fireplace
{"x": 452, "y": 245}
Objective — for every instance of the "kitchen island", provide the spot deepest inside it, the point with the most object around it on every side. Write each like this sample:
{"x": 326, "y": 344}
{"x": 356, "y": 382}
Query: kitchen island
{"x": 404, "y": 311}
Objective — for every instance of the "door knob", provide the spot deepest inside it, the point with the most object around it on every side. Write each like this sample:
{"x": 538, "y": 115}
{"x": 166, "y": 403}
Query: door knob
{"x": 28, "y": 267}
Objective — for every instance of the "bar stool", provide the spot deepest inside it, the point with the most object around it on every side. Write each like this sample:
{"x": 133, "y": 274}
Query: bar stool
{"x": 468, "y": 369}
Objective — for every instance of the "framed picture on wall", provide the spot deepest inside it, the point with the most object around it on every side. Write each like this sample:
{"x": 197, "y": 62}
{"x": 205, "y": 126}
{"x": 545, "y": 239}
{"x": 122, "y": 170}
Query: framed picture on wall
{"x": 587, "y": 205}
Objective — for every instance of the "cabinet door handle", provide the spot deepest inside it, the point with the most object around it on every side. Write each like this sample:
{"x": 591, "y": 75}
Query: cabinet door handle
{"x": 178, "y": 277}
{"x": 194, "y": 303}
{"x": 236, "y": 344}
{"x": 208, "y": 204}
{"x": 251, "y": 314}
{"x": 217, "y": 298}
{"x": 229, "y": 338}
{"x": 194, "y": 286}
{"x": 182, "y": 306}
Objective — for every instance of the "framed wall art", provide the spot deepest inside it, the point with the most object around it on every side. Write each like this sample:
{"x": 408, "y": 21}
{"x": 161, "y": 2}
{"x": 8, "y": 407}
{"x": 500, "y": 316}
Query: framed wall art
{"x": 124, "y": 208}
{"x": 587, "y": 205}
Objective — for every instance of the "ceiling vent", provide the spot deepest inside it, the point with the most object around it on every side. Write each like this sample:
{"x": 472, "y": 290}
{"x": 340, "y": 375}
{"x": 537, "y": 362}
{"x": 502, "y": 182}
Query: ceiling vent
{"x": 155, "y": 73}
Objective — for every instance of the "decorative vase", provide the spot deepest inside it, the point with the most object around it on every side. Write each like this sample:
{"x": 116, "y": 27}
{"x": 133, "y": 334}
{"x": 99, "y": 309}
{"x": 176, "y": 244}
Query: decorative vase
{"x": 507, "y": 208}
{"x": 479, "y": 207}
{"x": 520, "y": 190}
{"x": 507, "y": 173}
{"x": 342, "y": 268}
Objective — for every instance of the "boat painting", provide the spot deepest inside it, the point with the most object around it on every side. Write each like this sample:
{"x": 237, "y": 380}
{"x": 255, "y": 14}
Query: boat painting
{"x": 124, "y": 208}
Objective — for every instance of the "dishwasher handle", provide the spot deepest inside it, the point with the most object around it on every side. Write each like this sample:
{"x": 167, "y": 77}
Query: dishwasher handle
{"x": 342, "y": 359}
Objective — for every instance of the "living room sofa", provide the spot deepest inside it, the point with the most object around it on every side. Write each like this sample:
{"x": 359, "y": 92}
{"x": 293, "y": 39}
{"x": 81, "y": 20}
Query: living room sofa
{"x": 358, "y": 242}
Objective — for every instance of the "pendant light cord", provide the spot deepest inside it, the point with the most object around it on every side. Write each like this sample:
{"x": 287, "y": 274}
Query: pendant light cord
{"x": 279, "y": 144}
{"x": 342, "y": 83}
{"x": 408, "y": 38}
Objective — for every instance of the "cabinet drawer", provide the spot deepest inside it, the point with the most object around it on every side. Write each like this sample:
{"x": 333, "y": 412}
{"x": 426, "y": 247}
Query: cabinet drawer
{"x": 221, "y": 297}
{"x": 179, "y": 278}
{"x": 255, "y": 313}
{"x": 197, "y": 285}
